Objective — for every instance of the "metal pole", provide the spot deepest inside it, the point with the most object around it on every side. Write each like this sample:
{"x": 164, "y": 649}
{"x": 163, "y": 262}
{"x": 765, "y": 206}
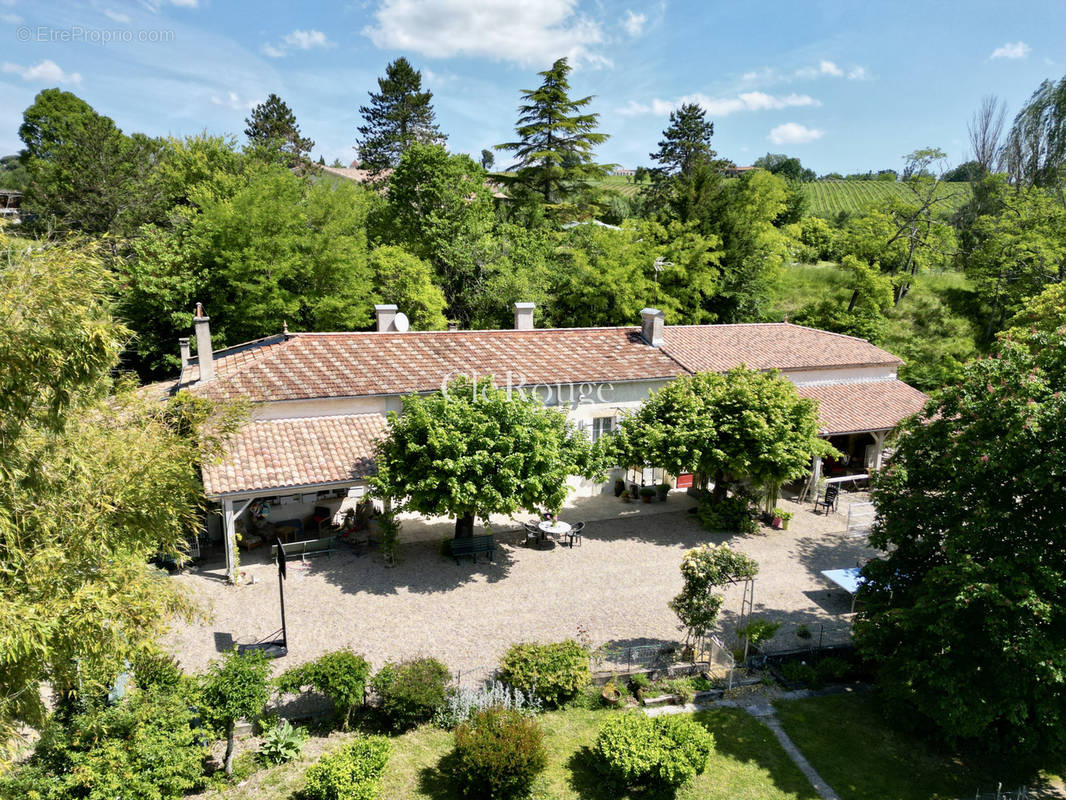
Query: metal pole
{"x": 281, "y": 590}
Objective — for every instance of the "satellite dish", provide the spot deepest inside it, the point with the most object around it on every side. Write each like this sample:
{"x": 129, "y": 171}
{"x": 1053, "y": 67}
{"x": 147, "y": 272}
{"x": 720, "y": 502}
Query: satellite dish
{"x": 401, "y": 323}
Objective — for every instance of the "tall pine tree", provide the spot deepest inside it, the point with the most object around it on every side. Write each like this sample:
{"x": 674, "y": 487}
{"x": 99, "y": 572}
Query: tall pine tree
{"x": 399, "y": 115}
{"x": 686, "y": 142}
{"x": 554, "y": 152}
{"x": 272, "y": 129}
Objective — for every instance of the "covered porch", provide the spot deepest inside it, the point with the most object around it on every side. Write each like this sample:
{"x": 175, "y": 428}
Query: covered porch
{"x": 290, "y": 478}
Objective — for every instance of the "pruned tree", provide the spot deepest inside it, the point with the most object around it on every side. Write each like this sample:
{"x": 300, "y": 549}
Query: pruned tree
{"x": 272, "y": 131}
{"x": 556, "y": 141}
{"x": 399, "y": 115}
{"x": 475, "y": 450}
{"x": 985, "y": 130}
{"x": 488, "y": 160}
{"x": 233, "y": 688}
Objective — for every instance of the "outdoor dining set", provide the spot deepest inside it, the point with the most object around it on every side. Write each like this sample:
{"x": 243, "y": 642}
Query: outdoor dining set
{"x": 553, "y": 529}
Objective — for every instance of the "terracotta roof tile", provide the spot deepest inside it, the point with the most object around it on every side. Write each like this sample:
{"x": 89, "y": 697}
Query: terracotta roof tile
{"x": 771, "y": 345}
{"x": 289, "y": 453}
{"x": 866, "y": 406}
{"x": 309, "y": 365}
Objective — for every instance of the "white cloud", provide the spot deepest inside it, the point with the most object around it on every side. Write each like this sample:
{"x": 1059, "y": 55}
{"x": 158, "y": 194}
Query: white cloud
{"x": 794, "y": 133}
{"x": 155, "y": 5}
{"x": 297, "y": 40}
{"x": 823, "y": 69}
{"x": 122, "y": 19}
{"x": 1011, "y": 50}
{"x": 234, "y": 101}
{"x": 829, "y": 68}
{"x": 720, "y": 106}
{"x": 305, "y": 40}
{"x": 11, "y": 19}
{"x": 634, "y": 23}
{"x": 45, "y": 72}
{"x": 529, "y": 34}
{"x": 858, "y": 74}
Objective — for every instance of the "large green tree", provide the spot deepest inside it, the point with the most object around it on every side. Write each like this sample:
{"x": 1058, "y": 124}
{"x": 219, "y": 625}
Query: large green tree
{"x": 272, "y": 131}
{"x": 729, "y": 427}
{"x": 84, "y": 173}
{"x": 555, "y": 149}
{"x": 233, "y": 688}
{"x": 439, "y": 208}
{"x": 94, "y": 480}
{"x": 686, "y": 141}
{"x": 400, "y": 114}
{"x": 965, "y": 615}
{"x": 473, "y": 450}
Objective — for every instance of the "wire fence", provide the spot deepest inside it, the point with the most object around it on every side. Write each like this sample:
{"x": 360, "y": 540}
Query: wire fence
{"x": 1021, "y": 793}
{"x": 804, "y": 638}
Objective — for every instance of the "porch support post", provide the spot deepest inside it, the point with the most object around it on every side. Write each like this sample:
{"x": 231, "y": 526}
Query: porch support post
{"x": 229, "y": 537}
{"x": 879, "y": 447}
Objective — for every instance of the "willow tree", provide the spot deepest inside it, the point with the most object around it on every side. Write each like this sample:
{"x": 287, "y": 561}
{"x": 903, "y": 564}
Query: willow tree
{"x": 475, "y": 450}
{"x": 95, "y": 478}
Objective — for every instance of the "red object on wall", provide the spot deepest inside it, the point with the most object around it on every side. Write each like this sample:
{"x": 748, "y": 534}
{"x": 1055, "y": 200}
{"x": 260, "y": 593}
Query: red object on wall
{"x": 684, "y": 480}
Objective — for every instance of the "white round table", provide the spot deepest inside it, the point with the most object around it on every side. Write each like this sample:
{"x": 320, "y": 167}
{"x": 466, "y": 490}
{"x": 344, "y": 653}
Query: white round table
{"x": 559, "y": 528}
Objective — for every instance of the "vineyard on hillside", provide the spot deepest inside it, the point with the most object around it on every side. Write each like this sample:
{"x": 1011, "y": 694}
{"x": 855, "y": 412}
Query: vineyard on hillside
{"x": 828, "y": 198}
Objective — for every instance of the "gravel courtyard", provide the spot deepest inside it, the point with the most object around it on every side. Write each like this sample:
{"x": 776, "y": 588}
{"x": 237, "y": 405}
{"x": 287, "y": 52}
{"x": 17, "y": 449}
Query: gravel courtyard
{"x": 612, "y": 589}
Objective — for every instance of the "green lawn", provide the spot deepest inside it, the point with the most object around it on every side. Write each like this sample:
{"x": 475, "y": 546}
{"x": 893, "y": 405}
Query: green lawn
{"x": 848, "y": 742}
{"x": 748, "y": 764}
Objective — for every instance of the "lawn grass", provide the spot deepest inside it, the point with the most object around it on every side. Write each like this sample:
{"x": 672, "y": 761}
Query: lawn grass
{"x": 848, "y": 742}
{"x": 748, "y": 763}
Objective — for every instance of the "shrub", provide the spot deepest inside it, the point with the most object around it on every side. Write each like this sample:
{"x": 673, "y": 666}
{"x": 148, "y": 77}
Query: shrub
{"x": 282, "y": 744}
{"x": 340, "y": 676}
{"x": 800, "y": 672}
{"x": 556, "y": 672}
{"x": 639, "y": 681}
{"x": 234, "y": 687}
{"x": 411, "y": 692}
{"x": 499, "y": 752}
{"x": 734, "y": 513}
{"x": 352, "y": 772}
{"x": 154, "y": 669}
{"x": 144, "y": 748}
{"x": 832, "y": 669}
{"x": 667, "y": 750}
{"x": 463, "y": 703}
{"x": 682, "y": 687}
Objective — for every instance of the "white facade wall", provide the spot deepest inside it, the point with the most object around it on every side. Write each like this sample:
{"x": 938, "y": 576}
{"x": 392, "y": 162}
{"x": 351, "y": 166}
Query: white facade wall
{"x": 841, "y": 375}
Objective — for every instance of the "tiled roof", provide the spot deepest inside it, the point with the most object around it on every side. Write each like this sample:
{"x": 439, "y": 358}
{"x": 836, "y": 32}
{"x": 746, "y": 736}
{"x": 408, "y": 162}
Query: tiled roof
{"x": 771, "y": 345}
{"x": 314, "y": 365}
{"x": 289, "y": 453}
{"x": 866, "y": 406}
{"x": 302, "y": 366}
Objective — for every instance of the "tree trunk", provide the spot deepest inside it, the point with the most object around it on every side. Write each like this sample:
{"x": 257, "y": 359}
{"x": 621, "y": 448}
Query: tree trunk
{"x": 464, "y": 526}
{"x": 720, "y": 488}
{"x": 231, "y": 739}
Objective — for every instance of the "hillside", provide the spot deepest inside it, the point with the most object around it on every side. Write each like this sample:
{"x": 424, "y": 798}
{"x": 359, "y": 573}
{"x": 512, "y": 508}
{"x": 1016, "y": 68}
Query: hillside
{"x": 828, "y": 198}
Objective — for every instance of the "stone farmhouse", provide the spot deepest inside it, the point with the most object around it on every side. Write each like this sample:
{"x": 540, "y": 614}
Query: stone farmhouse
{"x": 318, "y": 400}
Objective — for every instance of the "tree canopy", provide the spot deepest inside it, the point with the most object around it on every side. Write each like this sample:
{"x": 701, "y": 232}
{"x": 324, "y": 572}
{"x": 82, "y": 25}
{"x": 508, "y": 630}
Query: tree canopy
{"x": 399, "y": 115}
{"x": 475, "y": 450}
{"x": 1035, "y": 149}
{"x": 965, "y": 616}
{"x": 97, "y": 479}
{"x": 739, "y": 425}
{"x": 686, "y": 141}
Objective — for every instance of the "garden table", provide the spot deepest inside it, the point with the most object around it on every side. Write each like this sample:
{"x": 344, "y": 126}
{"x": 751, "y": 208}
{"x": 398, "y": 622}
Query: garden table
{"x": 555, "y": 529}
{"x": 847, "y": 579}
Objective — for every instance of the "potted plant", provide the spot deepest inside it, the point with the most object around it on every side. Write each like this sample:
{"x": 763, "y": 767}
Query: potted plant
{"x": 804, "y": 633}
{"x": 619, "y": 487}
{"x": 634, "y": 491}
{"x": 663, "y": 489}
{"x": 611, "y": 695}
{"x": 778, "y": 517}
{"x": 647, "y": 493}
{"x": 785, "y": 517}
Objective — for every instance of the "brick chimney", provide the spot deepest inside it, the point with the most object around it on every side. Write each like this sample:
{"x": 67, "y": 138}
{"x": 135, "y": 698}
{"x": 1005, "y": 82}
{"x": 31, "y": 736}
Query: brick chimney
{"x": 653, "y": 327}
{"x": 386, "y": 314}
{"x": 205, "y": 356}
{"x": 523, "y": 316}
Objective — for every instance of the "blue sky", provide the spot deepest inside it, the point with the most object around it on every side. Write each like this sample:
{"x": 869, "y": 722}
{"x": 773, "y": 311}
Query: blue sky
{"x": 846, "y": 86}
